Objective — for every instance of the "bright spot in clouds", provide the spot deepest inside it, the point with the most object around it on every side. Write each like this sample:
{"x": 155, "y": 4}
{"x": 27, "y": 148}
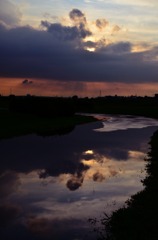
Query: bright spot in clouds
{"x": 78, "y": 46}
{"x": 89, "y": 152}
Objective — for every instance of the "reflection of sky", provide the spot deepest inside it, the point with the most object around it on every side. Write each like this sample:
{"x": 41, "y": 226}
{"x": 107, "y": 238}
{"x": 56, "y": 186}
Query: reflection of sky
{"x": 113, "y": 123}
{"x": 51, "y": 186}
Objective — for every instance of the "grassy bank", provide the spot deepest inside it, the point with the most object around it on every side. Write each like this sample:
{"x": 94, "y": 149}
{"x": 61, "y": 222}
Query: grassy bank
{"x": 16, "y": 124}
{"x": 25, "y": 115}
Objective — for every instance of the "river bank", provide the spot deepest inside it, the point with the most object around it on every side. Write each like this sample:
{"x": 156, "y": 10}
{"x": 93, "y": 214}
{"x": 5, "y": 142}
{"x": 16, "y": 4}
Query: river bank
{"x": 17, "y": 124}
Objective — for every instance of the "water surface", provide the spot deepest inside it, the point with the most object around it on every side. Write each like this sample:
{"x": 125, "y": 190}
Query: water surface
{"x": 50, "y": 186}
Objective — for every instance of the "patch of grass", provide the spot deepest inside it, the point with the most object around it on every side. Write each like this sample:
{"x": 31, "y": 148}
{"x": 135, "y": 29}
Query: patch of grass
{"x": 16, "y": 124}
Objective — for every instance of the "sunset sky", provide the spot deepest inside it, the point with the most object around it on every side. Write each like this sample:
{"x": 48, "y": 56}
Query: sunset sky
{"x": 70, "y": 47}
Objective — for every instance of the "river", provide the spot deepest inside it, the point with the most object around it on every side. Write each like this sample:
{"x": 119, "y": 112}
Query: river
{"x": 50, "y": 186}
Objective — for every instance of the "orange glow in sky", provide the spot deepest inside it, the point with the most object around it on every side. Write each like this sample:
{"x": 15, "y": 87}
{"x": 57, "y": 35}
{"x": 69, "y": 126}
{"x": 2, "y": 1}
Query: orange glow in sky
{"x": 82, "y": 89}
{"x": 85, "y": 48}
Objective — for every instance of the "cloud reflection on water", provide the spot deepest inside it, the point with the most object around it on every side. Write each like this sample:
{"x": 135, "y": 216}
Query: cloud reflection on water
{"x": 37, "y": 174}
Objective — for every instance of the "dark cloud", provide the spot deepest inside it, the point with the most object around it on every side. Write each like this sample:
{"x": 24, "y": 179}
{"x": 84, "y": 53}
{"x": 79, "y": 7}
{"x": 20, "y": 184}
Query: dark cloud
{"x": 89, "y": 44}
{"x": 10, "y": 15}
{"x": 69, "y": 33}
{"x": 8, "y": 214}
{"x": 33, "y": 227}
{"x": 83, "y": 31}
{"x": 65, "y": 33}
{"x": 39, "y": 54}
{"x": 57, "y": 52}
{"x": 26, "y": 82}
{"x": 77, "y": 179}
{"x": 80, "y": 21}
{"x": 49, "y": 228}
{"x": 47, "y": 15}
{"x": 40, "y": 226}
{"x": 98, "y": 177}
{"x": 118, "y": 153}
{"x": 113, "y": 172}
{"x": 61, "y": 32}
{"x": 77, "y": 16}
{"x": 74, "y": 183}
{"x": 9, "y": 183}
{"x": 118, "y": 48}
{"x": 101, "y": 23}
{"x": 116, "y": 28}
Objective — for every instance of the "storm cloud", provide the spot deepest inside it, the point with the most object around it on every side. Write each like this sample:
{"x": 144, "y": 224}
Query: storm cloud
{"x": 58, "y": 52}
{"x": 65, "y": 32}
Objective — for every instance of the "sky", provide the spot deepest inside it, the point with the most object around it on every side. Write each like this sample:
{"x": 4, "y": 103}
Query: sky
{"x": 84, "y": 48}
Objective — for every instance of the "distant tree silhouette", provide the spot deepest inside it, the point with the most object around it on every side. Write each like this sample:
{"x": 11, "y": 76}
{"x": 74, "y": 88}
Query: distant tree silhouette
{"x": 43, "y": 106}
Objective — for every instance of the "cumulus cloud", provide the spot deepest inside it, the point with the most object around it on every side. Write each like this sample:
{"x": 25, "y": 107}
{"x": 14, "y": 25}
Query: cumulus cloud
{"x": 101, "y": 23}
{"x": 26, "y": 82}
{"x": 77, "y": 16}
{"x": 10, "y": 15}
{"x": 115, "y": 29}
{"x": 80, "y": 21}
{"x": 79, "y": 30}
{"x": 57, "y": 52}
{"x": 98, "y": 177}
{"x": 74, "y": 183}
{"x": 77, "y": 179}
{"x": 65, "y": 32}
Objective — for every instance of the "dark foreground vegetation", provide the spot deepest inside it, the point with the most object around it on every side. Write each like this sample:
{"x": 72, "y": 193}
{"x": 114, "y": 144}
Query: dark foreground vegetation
{"x": 140, "y": 106}
{"x": 15, "y": 124}
{"x": 60, "y": 106}
{"x": 138, "y": 219}
{"x": 21, "y": 115}
{"x": 41, "y": 116}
